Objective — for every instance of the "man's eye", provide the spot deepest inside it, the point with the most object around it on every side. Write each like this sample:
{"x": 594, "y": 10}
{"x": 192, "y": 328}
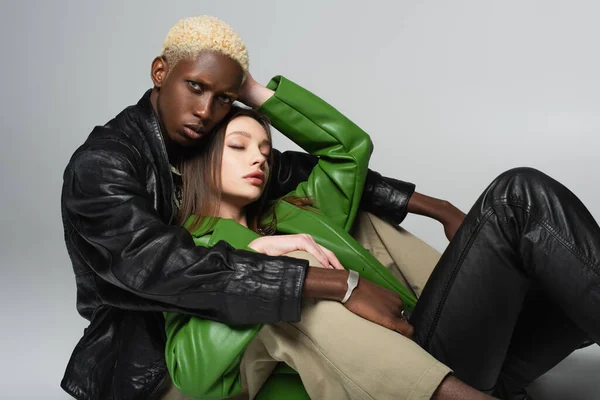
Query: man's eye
{"x": 194, "y": 85}
{"x": 226, "y": 99}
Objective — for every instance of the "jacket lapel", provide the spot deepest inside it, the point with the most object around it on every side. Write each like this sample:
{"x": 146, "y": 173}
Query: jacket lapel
{"x": 213, "y": 230}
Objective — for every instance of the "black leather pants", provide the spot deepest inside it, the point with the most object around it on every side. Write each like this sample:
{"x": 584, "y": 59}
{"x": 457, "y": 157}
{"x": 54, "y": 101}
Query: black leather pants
{"x": 517, "y": 289}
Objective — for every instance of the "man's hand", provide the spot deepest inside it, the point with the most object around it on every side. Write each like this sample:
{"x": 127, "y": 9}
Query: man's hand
{"x": 443, "y": 211}
{"x": 379, "y": 305}
{"x": 370, "y": 301}
{"x": 252, "y": 93}
{"x": 283, "y": 244}
{"x": 451, "y": 218}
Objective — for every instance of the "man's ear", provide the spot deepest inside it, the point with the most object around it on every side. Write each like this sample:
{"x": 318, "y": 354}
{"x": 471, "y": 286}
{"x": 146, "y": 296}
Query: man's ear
{"x": 159, "y": 71}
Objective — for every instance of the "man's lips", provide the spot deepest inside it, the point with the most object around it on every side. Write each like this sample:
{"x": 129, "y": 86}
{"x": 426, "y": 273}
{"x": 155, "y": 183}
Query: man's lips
{"x": 256, "y": 178}
{"x": 193, "y": 131}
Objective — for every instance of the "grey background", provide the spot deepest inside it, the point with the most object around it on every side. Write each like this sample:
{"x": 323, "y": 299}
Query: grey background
{"x": 452, "y": 92}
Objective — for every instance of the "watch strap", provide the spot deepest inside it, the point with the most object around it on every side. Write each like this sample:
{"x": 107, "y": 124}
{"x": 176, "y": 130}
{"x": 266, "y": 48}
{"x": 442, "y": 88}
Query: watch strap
{"x": 352, "y": 284}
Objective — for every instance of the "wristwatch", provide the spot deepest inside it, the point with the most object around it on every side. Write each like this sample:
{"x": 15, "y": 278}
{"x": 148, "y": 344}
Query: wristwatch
{"x": 352, "y": 284}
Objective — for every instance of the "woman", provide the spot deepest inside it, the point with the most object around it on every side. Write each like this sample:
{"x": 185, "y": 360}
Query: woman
{"x": 328, "y": 200}
{"x": 520, "y": 224}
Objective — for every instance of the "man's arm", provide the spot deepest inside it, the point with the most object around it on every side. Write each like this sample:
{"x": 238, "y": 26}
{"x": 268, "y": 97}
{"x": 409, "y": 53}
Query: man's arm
{"x": 370, "y": 301}
{"x": 143, "y": 263}
{"x": 392, "y": 199}
{"x": 441, "y": 210}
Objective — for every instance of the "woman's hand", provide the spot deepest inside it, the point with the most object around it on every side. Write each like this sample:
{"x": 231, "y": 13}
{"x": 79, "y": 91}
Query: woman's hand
{"x": 282, "y": 244}
{"x": 252, "y": 93}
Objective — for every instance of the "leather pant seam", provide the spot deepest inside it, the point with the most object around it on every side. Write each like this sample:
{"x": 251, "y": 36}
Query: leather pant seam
{"x": 119, "y": 344}
{"x": 486, "y": 215}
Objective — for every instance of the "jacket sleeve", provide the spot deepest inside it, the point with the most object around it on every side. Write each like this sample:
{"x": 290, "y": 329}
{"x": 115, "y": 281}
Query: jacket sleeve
{"x": 127, "y": 245}
{"x": 386, "y": 197}
{"x": 203, "y": 357}
{"x": 383, "y": 196}
{"x": 336, "y": 182}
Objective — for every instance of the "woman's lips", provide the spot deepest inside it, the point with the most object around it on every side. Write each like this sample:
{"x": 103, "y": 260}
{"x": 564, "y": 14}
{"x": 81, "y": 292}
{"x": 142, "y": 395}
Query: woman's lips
{"x": 255, "y": 178}
{"x": 255, "y": 181}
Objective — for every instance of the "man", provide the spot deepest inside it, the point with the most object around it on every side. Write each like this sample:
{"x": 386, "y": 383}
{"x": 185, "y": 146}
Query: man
{"x": 132, "y": 261}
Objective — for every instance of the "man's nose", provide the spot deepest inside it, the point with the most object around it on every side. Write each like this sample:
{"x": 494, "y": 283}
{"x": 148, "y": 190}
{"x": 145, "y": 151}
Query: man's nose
{"x": 203, "y": 108}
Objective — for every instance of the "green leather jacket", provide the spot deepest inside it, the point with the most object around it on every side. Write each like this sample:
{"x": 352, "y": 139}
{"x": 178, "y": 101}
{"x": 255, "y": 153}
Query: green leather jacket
{"x": 203, "y": 356}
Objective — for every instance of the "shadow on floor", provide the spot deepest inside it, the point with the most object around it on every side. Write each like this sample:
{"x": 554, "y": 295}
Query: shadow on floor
{"x": 576, "y": 378}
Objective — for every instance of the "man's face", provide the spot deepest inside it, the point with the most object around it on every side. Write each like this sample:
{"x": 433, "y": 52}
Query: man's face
{"x": 196, "y": 95}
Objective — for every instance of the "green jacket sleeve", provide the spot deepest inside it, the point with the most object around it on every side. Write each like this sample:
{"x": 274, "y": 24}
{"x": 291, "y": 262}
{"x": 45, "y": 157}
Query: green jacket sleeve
{"x": 203, "y": 357}
{"x": 336, "y": 183}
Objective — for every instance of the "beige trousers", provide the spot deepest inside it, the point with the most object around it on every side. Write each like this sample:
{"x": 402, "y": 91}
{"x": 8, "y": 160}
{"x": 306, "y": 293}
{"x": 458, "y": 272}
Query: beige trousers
{"x": 340, "y": 355}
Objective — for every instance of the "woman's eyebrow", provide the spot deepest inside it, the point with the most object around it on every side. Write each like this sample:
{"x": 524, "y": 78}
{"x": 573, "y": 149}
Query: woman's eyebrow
{"x": 246, "y": 134}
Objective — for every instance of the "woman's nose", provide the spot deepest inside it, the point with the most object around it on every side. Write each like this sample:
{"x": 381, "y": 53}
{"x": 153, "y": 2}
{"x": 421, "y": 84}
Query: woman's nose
{"x": 259, "y": 159}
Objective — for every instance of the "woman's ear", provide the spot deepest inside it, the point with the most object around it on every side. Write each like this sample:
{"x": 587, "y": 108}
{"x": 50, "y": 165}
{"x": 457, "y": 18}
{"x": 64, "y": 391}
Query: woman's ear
{"x": 159, "y": 71}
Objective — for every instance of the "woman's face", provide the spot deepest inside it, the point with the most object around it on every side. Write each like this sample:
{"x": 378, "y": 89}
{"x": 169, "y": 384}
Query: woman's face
{"x": 245, "y": 167}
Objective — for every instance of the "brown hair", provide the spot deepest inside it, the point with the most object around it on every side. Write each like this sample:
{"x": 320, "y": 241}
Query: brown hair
{"x": 201, "y": 173}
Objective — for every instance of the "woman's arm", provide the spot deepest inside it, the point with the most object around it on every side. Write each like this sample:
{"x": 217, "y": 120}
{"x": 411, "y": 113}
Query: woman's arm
{"x": 388, "y": 198}
{"x": 337, "y": 180}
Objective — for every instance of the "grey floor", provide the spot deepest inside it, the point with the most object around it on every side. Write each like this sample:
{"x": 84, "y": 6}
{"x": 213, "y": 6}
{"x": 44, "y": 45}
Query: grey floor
{"x": 576, "y": 378}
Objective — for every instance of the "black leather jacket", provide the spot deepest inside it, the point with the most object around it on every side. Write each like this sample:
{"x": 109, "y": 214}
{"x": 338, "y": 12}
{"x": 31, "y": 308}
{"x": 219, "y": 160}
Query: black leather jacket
{"x": 132, "y": 261}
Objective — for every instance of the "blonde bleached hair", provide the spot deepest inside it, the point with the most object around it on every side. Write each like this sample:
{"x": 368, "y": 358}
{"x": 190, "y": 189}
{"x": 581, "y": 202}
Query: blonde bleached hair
{"x": 190, "y": 36}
